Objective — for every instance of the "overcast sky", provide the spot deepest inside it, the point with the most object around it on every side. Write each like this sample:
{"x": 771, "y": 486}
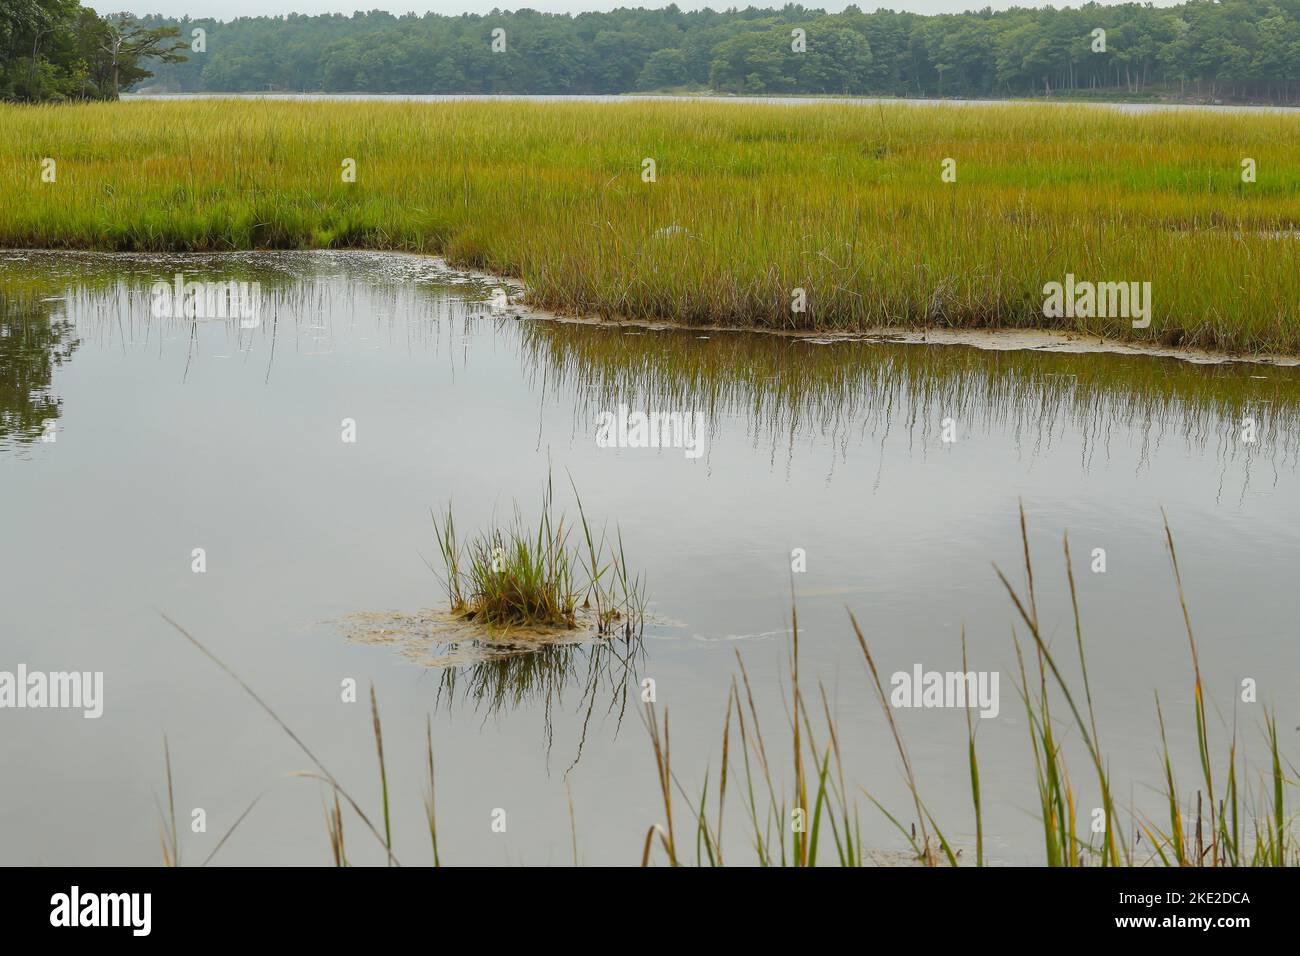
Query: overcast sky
{"x": 229, "y": 9}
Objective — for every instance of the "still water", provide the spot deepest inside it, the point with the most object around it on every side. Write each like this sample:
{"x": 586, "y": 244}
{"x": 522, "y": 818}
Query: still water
{"x": 172, "y": 434}
{"x": 716, "y": 98}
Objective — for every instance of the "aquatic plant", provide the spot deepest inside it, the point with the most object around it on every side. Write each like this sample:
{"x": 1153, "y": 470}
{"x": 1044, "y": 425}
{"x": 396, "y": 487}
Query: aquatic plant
{"x": 513, "y": 577}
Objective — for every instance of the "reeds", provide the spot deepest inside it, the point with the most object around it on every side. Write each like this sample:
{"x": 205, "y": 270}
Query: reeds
{"x": 1232, "y": 829}
{"x": 788, "y": 827}
{"x": 767, "y": 200}
{"x": 512, "y": 577}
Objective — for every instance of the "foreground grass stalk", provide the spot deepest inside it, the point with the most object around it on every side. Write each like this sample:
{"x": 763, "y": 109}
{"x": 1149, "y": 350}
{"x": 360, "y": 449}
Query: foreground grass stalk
{"x": 974, "y": 765}
{"x": 323, "y": 773}
{"x": 926, "y": 852}
{"x": 430, "y": 806}
{"x": 383, "y": 773}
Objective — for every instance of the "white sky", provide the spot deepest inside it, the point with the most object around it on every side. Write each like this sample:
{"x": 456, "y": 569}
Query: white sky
{"x": 229, "y": 9}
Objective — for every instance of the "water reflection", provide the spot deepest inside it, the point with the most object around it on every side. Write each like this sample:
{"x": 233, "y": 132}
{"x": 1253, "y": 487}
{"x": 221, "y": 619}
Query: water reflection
{"x": 790, "y": 390}
{"x": 528, "y": 670}
{"x": 785, "y": 389}
{"x": 36, "y": 338}
{"x": 603, "y": 675}
{"x": 186, "y": 433}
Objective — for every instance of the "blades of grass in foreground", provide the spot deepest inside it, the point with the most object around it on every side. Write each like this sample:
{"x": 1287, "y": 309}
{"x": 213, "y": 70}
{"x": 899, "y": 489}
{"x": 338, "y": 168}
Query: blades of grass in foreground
{"x": 799, "y": 838}
{"x": 325, "y": 774}
{"x": 334, "y": 827}
{"x": 921, "y": 815}
{"x": 1111, "y": 853}
{"x": 233, "y": 826}
{"x": 761, "y": 750}
{"x": 663, "y": 767}
{"x": 722, "y": 782}
{"x": 1202, "y": 732}
{"x": 974, "y": 764}
{"x": 383, "y": 773}
{"x": 167, "y": 833}
{"x": 1175, "y": 835}
{"x": 1030, "y": 618}
{"x": 1051, "y": 842}
{"x": 1278, "y": 837}
{"x": 845, "y": 844}
{"x": 430, "y": 808}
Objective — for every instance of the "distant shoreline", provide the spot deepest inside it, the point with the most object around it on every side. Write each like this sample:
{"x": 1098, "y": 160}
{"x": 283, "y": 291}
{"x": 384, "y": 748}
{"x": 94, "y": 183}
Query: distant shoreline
{"x": 1124, "y": 106}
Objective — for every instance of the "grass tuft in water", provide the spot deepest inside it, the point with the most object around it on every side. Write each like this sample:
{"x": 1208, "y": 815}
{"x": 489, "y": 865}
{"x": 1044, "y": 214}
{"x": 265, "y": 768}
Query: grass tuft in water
{"x": 516, "y": 577}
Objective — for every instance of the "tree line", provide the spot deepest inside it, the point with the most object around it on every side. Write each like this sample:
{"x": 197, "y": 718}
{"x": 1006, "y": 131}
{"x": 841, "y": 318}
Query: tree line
{"x": 1208, "y": 49}
{"x": 60, "y": 50}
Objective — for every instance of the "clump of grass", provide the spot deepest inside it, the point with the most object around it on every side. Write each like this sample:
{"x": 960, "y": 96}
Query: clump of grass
{"x": 509, "y": 577}
{"x": 516, "y": 577}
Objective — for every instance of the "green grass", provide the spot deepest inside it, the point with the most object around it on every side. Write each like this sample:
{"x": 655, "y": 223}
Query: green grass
{"x": 843, "y": 201}
{"x": 512, "y": 577}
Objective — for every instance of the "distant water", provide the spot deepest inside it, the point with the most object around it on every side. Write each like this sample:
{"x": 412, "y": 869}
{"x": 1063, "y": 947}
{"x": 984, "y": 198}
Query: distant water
{"x": 771, "y": 100}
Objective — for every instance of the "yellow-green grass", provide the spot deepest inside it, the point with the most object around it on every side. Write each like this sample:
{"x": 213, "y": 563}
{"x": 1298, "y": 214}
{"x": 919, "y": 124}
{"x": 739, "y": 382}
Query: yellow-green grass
{"x": 513, "y": 577}
{"x": 843, "y": 201}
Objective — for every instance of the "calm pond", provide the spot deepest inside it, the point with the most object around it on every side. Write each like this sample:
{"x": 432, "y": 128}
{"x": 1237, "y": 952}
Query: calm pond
{"x": 228, "y": 435}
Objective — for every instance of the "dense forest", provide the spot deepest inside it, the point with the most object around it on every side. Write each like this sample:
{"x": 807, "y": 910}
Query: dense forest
{"x": 1229, "y": 50}
{"x": 1246, "y": 49}
{"x": 58, "y": 49}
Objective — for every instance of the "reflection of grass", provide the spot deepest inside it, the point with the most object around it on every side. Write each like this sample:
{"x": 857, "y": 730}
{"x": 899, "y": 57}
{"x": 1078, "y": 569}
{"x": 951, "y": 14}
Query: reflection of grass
{"x": 516, "y": 578}
{"x": 539, "y": 675}
{"x": 785, "y": 389}
{"x": 842, "y": 202}
{"x": 1233, "y": 828}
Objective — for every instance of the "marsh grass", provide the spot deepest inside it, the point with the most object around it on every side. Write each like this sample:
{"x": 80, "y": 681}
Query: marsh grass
{"x": 767, "y": 198}
{"x": 1234, "y": 828}
{"x": 818, "y": 795}
{"x": 1213, "y": 835}
{"x": 515, "y": 577}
